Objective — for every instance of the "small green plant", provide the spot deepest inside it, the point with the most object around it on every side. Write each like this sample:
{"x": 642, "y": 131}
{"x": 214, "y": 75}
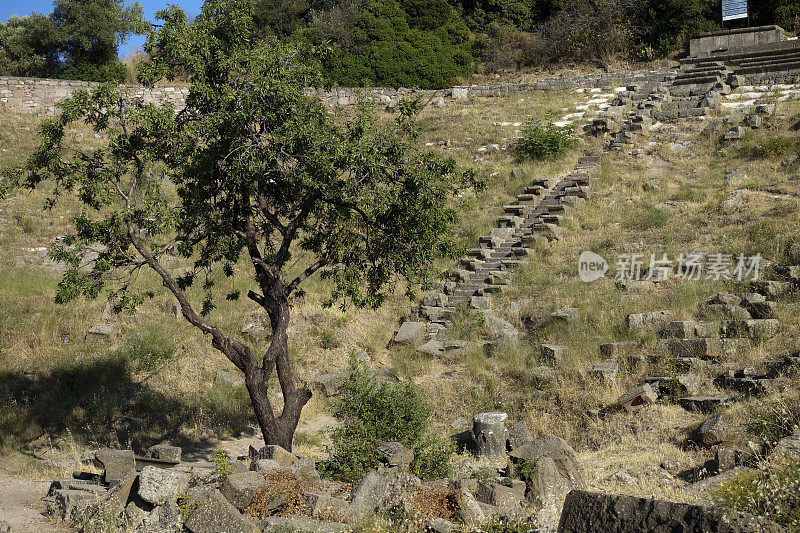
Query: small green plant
{"x": 544, "y": 140}
{"x": 768, "y": 148}
{"x": 773, "y": 495}
{"x": 507, "y": 525}
{"x": 186, "y": 505}
{"x": 328, "y": 340}
{"x": 375, "y": 412}
{"x": 223, "y": 466}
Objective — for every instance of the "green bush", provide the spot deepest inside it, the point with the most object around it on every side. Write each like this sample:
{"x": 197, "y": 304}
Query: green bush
{"x": 544, "y": 140}
{"x": 148, "y": 350}
{"x": 773, "y": 495}
{"x": 375, "y": 412}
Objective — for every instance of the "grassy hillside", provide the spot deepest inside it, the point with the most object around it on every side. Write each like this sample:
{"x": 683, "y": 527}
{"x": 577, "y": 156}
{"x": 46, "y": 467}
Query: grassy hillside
{"x": 157, "y": 378}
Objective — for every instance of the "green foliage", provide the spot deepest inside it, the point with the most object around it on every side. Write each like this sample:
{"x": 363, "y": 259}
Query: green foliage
{"x": 77, "y": 41}
{"x": 375, "y": 412}
{"x": 544, "y": 141}
{"x": 773, "y": 495}
{"x": 328, "y": 340}
{"x": 773, "y": 420}
{"x": 382, "y": 45}
{"x": 186, "y": 505}
{"x": 768, "y": 147}
{"x": 223, "y": 466}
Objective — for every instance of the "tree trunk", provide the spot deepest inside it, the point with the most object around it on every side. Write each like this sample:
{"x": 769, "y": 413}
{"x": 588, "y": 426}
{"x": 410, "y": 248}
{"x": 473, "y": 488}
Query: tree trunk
{"x": 277, "y": 429}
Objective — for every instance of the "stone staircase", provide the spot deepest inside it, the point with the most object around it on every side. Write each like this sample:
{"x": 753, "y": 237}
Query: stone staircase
{"x": 537, "y": 215}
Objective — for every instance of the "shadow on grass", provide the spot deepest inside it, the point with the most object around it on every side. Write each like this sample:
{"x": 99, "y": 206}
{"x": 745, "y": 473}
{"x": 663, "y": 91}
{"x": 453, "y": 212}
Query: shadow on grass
{"x": 100, "y": 404}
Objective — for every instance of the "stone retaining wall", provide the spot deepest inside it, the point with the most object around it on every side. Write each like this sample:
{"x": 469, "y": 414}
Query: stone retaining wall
{"x": 40, "y": 96}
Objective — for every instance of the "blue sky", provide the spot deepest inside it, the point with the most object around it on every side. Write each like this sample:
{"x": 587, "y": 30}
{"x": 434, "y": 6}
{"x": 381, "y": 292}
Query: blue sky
{"x": 26, "y": 7}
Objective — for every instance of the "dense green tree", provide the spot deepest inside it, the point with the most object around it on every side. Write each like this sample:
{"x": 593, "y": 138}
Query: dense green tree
{"x": 29, "y": 46}
{"x": 90, "y": 31}
{"x": 77, "y": 41}
{"x": 383, "y": 48}
{"x": 269, "y": 190}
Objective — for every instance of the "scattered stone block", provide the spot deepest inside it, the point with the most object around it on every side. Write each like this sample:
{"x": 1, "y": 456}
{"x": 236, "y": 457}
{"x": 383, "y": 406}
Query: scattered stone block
{"x": 498, "y": 495}
{"x": 394, "y": 454}
{"x": 589, "y": 512}
{"x": 325, "y": 506}
{"x": 240, "y": 487}
{"x": 703, "y": 404}
{"x": 518, "y": 435}
{"x": 367, "y": 495}
{"x": 300, "y": 524}
{"x": 410, "y": 333}
{"x": 277, "y": 454}
{"x": 164, "y": 452}
{"x": 440, "y": 525}
{"x": 215, "y": 514}
{"x": 555, "y": 470}
{"x": 605, "y": 372}
{"x": 703, "y": 348}
{"x": 433, "y": 348}
{"x": 649, "y": 320}
{"x": 736, "y": 133}
{"x": 103, "y": 332}
{"x": 157, "y": 485}
{"x": 305, "y": 469}
{"x": 566, "y": 315}
{"x": 116, "y": 464}
{"x": 713, "y": 431}
{"x": 617, "y": 349}
{"x": 637, "y": 398}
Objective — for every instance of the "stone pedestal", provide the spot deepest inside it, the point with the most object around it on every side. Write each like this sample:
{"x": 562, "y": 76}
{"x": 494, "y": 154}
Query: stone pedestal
{"x": 489, "y": 435}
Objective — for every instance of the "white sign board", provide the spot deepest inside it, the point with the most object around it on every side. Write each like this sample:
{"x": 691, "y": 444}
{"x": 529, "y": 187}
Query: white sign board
{"x": 734, "y": 9}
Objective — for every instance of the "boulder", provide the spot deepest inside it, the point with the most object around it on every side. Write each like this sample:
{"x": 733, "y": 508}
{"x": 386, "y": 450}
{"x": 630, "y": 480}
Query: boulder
{"x": 589, "y": 512}
{"x": 552, "y": 469}
{"x": 615, "y": 349}
{"x": 157, "y": 485}
{"x": 240, "y": 488}
{"x": 394, "y": 454}
{"x": 410, "y": 333}
{"x": 786, "y": 450}
{"x": 499, "y": 495}
{"x": 215, "y": 514}
{"x": 714, "y": 430}
{"x": 116, "y": 464}
{"x": 433, "y": 348}
{"x": 164, "y": 452}
{"x": 398, "y": 494}
{"x": 325, "y": 506}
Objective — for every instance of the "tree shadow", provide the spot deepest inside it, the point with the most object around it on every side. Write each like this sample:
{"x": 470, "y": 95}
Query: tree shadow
{"x": 100, "y": 404}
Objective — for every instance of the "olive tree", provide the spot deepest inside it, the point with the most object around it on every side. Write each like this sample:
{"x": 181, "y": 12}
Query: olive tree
{"x": 252, "y": 178}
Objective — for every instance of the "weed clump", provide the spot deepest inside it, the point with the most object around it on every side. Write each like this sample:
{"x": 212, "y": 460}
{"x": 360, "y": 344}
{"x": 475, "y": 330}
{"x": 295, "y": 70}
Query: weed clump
{"x": 775, "y": 495}
{"x": 375, "y": 412}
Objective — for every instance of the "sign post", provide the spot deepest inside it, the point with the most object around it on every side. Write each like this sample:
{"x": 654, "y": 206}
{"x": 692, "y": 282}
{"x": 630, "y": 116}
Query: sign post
{"x": 734, "y": 9}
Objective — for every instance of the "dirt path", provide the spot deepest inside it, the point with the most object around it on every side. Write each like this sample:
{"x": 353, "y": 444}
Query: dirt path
{"x": 21, "y": 507}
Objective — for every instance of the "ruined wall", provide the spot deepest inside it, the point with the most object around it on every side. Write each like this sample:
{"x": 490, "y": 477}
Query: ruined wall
{"x": 40, "y": 96}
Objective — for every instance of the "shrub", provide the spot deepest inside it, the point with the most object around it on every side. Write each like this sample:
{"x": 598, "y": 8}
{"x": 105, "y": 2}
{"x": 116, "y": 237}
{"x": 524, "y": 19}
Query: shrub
{"x": 544, "y": 140}
{"x": 148, "y": 350}
{"x": 775, "y": 496}
{"x": 223, "y": 466}
{"x": 374, "y": 412}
